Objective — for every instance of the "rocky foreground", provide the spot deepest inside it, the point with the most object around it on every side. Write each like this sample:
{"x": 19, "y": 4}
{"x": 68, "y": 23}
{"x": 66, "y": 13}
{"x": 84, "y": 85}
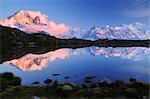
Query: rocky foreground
{"x": 11, "y": 87}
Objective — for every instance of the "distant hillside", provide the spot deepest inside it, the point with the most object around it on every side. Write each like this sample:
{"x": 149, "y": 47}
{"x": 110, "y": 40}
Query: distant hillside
{"x": 13, "y": 36}
{"x": 16, "y": 43}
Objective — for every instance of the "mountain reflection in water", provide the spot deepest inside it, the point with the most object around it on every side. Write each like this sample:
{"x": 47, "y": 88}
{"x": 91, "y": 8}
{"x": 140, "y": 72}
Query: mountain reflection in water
{"x": 32, "y": 62}
{"x": 114, "y": 63}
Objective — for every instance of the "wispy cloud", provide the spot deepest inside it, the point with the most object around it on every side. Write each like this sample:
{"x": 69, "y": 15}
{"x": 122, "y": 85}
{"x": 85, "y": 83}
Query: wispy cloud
{"x": 137, "y": 3}
{"x": 138, "y": 13}
{"x": 137, "y": 8}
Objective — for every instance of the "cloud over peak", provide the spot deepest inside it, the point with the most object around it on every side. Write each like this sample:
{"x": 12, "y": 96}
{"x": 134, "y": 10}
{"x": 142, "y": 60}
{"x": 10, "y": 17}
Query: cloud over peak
{"x": 34, "y": 21}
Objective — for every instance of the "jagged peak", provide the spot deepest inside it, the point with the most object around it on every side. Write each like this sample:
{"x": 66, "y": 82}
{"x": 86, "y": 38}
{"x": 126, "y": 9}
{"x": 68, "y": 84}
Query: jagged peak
{"x": 36, "y": 13}
{"x": 34, "y": 21}
{"x": 29, "y": 16}
{"x": 107, "y": 26}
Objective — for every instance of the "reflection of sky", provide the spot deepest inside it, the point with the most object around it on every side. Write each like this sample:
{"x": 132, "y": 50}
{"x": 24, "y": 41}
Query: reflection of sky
{"x": 32, "y": 62}
{"x": 80, "y": 63}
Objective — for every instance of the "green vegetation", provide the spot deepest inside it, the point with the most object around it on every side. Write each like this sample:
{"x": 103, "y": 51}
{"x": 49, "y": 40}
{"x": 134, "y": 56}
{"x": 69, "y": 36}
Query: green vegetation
{"x": 54, "y": 89}
{"x": 8, "y": 79}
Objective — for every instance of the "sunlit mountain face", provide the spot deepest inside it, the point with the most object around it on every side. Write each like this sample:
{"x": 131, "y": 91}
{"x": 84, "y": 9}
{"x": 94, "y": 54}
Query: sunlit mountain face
{"x": 35, "y": 22}
{"x": 33, "y": 62}
{"x": 124, "y": 31}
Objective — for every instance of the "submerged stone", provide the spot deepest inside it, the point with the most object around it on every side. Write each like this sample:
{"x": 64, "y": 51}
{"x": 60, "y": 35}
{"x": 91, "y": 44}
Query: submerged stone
{"x": 90, "y": 77}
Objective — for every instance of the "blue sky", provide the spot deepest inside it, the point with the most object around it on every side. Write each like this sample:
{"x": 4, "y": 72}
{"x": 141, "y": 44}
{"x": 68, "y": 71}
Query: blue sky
{"x": 83, "y": 13}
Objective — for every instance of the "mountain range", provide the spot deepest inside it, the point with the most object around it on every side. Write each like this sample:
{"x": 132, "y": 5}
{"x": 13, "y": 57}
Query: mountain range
{"x": 33, "y": 62}
{"x": 35, "y": 22}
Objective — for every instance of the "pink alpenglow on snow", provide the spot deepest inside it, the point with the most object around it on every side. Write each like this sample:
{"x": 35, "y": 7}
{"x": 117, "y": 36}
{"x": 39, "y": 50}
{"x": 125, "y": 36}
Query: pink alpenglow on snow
{"x": 34, "y": 21}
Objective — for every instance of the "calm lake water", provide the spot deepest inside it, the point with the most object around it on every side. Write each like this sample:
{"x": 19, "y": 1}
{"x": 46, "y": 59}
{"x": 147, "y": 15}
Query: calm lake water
{"x": 112, "y": 63}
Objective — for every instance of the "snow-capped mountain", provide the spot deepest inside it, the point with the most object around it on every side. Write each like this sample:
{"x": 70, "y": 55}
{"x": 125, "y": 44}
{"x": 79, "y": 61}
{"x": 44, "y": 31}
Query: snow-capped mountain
{"x": 75, "y": 33}
{"x": 130, "y": 31}
{"x": 95, "y": 33}
{"x": 35, "y": 22}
